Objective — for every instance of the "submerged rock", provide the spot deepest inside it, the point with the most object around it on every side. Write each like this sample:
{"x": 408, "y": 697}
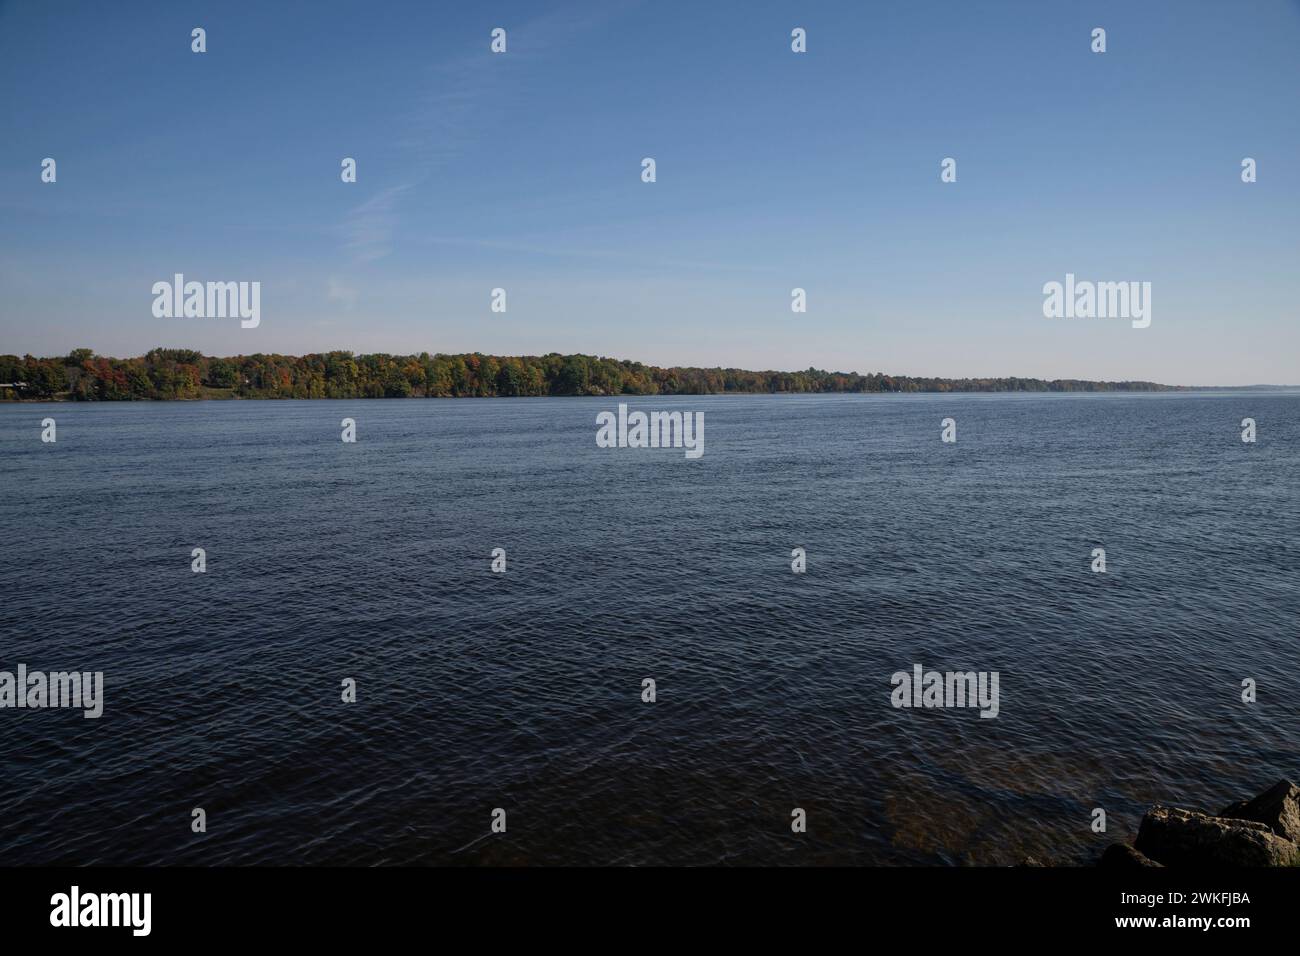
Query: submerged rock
{"x": 1121, "y": 856}
{"x": 1278, "y": 808}
{"x": 1186, "y": 838}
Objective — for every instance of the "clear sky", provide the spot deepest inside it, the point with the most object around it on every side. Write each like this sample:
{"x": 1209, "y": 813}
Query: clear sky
{"x": 775, "y": 170}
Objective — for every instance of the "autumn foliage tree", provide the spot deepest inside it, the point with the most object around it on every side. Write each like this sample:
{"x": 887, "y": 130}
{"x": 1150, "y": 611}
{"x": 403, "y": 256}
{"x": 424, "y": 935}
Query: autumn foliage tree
{"x": 187, "y": 374}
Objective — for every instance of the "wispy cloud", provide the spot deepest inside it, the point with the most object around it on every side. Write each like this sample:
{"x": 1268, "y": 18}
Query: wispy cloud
{"x": 456, "y": 108}
{"x": 639, "y": 259}
{"x": 368, "y": 229}
{"x": 455, "y": 112}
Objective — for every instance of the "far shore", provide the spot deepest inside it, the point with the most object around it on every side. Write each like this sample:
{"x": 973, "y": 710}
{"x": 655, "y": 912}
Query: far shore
{"x": 189, "y": 375}
{"x": 232, "y": 395}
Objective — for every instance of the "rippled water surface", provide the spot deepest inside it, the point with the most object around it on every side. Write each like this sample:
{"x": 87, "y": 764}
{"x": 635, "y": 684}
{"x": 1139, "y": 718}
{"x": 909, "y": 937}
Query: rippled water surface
{"x": 522, "y": 690}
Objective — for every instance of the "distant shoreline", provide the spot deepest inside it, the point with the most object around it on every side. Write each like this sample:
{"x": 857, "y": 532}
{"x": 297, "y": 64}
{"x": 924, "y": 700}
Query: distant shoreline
{"x": 188, "y": 375}
{"x": 229, "y": 395}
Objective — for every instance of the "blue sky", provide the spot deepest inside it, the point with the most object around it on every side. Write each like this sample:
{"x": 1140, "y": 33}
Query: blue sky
{"x": 775, "y": 170}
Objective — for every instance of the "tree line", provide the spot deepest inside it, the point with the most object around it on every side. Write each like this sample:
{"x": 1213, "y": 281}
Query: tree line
{"x": 168, "y": 374}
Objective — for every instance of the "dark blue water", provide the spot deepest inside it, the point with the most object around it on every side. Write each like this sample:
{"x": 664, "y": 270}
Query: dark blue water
{"x": 522, "y": 691}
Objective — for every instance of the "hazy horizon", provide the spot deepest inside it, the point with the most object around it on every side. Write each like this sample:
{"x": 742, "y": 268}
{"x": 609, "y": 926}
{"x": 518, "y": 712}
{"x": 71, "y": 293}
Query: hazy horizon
{"x": 775, "y": 170}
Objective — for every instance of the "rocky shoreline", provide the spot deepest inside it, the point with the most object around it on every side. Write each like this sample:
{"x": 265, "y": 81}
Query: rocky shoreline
{"x": 1264, "y": 831}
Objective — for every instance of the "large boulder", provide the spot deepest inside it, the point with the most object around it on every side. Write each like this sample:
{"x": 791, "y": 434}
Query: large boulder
{"x": 1185, "y": 838}
{"x": 1121, "y": 856}
{"x": 1278, "y": 808}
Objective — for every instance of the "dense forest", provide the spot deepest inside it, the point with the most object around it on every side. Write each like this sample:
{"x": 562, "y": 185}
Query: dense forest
{"x": 185, "y": 374}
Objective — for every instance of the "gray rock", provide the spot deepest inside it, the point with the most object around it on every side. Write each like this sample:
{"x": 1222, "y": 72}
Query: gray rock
{"x": 1278, "y": 808}
{"x": 1121, "y": 856}
{"x": 1185, "y": 838}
